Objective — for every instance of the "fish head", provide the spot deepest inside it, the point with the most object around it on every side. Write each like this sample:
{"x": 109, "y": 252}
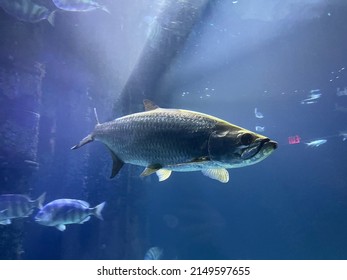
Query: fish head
{"x": 232, "y": 146}
{"x": 43, "y": 217}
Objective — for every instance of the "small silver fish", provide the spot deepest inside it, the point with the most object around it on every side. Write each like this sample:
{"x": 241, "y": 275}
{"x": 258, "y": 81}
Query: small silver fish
{"x": 28, "y": 11}
{"x": 316, "y": 143}
{"x": 341, "y": 92}
{"x": 79, "y": 5}
{"x": 343, "y": 135}
{"x": 308, "y": 102}
{"x": 154, "y": 253}
{"x": 258, "y": 114}
{"x": 61, "y": 212}
{"x": 17, "y": 206}
{"x": 312, "y": 97}
{"x": 260, "y": 128}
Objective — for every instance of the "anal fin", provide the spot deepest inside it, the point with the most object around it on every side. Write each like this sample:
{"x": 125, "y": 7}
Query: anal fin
{"x": 61, "y": 227}
{"x": 220, "y": 174}
{"x": 150, "y": 169}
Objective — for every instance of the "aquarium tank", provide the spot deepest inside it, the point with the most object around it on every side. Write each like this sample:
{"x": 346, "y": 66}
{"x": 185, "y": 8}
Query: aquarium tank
{"x": 173, "y": 129}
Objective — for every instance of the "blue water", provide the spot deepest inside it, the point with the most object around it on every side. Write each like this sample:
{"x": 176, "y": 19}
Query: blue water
{"x": 240, "y": 56}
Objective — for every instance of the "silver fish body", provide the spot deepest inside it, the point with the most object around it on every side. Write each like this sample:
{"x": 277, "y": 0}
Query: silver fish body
{"x": 17, "y": 206}
{"x": 61, "y": 212}
{"x": 316, "y": 143}
{"x": 165, "y": 140}
{"x": 79, "y": 5}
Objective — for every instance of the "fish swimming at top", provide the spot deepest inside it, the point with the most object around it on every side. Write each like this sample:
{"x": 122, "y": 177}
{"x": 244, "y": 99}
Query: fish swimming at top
{"x": 61, "y": 212}
{"x": 166, "y": 140}
{"x": 28, "y": 10}
{"x": 313, "y": 97}
{"x": 341, "y": 92}
{"x": 17, "y": 206}
{"x": 259, "y": 128}
{"x": 316, "y": 143}
{"x": 79, "y": 5}
{"x": 258, "y": 114}
{"x": 343, "y": 134}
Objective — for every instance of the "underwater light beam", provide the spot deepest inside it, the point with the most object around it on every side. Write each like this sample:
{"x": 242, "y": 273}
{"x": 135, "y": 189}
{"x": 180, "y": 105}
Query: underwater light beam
{"x": 173, "y": 24}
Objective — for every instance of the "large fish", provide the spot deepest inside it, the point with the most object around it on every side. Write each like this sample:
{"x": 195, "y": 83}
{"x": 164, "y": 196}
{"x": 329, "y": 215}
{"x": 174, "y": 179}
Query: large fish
{"x": 28, "y": 10}
{"x": 61, "y": 212}
{"x": 166, "y": 140}
{"x": 17, "y": 206}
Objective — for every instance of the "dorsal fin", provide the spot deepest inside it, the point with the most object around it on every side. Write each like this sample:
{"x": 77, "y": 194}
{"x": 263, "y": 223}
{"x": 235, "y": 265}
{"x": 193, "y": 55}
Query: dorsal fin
{"x": 149, "y": 105}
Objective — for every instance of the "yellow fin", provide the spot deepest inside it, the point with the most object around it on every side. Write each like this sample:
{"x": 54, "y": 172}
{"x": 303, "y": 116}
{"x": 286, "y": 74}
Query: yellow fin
{"x": 150, "y": 169}
{"x": 163, "y": 174}
{"x": 220, "y": 174}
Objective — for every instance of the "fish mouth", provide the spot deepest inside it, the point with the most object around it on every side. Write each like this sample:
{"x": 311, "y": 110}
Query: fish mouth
{"x": 265, "y": 145}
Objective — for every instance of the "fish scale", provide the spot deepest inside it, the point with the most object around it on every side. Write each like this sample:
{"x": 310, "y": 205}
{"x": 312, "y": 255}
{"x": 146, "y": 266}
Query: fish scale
{"x": 173, "y": 138}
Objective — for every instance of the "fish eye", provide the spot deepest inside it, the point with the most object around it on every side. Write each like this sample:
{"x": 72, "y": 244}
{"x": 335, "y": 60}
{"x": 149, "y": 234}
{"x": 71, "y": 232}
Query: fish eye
{"x": 246, "y": 139}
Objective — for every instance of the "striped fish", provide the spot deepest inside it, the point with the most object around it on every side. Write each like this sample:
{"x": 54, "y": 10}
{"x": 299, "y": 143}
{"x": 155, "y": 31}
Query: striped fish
{"x": 61, "y": 212}
{"x": 28, "y": 10}
{"x": 166, "y": 140}
{"x": 154, "y": 253}
{"x": 17, "y": 206}
{"x": 79, "y": 5}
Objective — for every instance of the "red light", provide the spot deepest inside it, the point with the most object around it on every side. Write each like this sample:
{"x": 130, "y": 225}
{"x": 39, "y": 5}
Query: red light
{"x": 294, "y": 139}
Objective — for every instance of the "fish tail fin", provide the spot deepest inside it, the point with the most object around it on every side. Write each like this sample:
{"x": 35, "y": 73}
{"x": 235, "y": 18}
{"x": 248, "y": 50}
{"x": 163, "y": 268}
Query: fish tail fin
{"x": 40, "y": 200}
{"x": 51, "y": 18}
{"x": 96, "y": 211}
{"x": 86, "y": 140}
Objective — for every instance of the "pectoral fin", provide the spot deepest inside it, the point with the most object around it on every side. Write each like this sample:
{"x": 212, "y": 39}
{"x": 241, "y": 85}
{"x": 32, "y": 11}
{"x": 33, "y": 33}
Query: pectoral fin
{"x": 220, "y": 174}
{"x": 85, "y": 220}
{"x": 150, "y": 169}
{"x": 61, "y": 227}
{"x": 163, "y": 174}
{"x": 5, "y": 222}
{"x": 117, "y": 164}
